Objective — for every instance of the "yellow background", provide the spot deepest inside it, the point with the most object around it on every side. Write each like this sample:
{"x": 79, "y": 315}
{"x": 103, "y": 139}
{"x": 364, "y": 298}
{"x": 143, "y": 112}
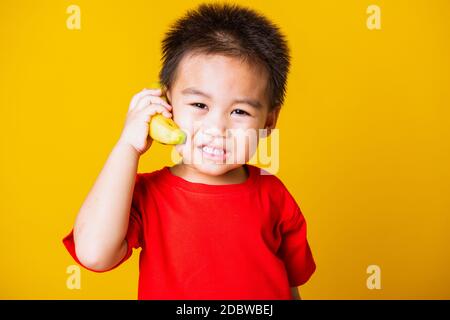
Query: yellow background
{"x": 365, "y": 137}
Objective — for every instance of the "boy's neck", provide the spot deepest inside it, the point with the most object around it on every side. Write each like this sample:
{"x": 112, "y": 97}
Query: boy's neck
{"x": 191, "y": 174}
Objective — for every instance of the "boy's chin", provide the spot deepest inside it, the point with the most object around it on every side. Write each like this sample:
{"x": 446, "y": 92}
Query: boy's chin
{"x": 212, "y": 167}
{"x": 215, "y": 169}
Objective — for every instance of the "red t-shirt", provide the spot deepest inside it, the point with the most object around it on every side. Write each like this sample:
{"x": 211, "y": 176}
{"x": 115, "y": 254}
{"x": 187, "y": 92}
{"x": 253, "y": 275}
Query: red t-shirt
{"x": 199, "y": 241}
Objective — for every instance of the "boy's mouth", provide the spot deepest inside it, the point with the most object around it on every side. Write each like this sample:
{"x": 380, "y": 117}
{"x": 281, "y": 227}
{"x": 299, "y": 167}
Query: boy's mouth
{"x": 213, "y": 152}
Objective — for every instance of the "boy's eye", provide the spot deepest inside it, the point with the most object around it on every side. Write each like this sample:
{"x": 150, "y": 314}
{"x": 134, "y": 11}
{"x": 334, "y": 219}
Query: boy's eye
{"x": 241, "y": 112}
{"x": 199, "y": 105}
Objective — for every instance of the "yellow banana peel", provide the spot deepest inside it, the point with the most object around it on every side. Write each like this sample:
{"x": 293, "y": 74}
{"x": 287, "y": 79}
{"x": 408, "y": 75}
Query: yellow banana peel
{"x": 165, "y": 130}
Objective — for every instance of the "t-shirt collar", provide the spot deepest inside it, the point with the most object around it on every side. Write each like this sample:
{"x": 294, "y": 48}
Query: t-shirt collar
{"x": 169, "y": 178}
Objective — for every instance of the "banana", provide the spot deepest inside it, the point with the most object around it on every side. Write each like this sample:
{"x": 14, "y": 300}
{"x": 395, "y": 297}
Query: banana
{"x": 165, "y": 130}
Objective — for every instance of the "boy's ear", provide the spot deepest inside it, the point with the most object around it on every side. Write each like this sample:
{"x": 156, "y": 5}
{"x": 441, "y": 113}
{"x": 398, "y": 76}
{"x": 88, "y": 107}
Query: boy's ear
{"x": 168, "y": 97}
{"x": 271, "y": 120}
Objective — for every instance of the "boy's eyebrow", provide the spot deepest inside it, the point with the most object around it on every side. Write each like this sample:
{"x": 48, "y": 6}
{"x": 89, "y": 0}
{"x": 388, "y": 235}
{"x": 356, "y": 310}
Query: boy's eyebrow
{"x": 192, "y": 91}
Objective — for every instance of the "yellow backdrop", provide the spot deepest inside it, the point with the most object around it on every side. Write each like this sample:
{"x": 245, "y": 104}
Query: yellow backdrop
{"x": 364, "y": 133}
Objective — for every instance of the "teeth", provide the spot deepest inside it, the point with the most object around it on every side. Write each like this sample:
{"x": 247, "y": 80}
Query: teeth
{"x": 213, "y": 151}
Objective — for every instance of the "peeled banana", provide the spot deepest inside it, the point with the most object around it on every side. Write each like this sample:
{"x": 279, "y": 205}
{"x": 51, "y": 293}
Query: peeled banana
{"x": 165, "y": 130}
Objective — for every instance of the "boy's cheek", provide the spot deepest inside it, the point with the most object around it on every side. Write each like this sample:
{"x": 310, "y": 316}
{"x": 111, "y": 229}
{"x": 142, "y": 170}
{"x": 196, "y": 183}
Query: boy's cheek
{"x": 185, "y": 121}
{"x": 187, "y": 149}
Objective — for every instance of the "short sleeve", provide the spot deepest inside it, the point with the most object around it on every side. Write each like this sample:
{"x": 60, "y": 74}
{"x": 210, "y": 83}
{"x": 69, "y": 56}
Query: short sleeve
{"x": 134, "y": 232}
{"x": 295, "y": 250}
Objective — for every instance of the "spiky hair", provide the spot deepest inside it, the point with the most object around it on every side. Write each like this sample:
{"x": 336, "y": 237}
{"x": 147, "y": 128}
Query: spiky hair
{"x": 230, "y": 30}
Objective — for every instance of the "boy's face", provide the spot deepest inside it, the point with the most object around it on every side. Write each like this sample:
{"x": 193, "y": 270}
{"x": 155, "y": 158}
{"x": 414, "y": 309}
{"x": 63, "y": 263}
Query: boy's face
{"x": 221, "y": 103}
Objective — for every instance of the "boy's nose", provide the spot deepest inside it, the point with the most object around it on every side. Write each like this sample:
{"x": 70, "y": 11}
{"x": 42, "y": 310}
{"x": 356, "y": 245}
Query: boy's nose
{"x": 214, "y": 133}
{"x": 215, "y": 126}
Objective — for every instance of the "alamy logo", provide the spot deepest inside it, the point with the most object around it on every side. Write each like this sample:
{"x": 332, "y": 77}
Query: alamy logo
{"x": 74, "y": 279}
{"x": 73, "y": 21}
{"x": 374, "y": 19}
{"x": 374, "y": 280}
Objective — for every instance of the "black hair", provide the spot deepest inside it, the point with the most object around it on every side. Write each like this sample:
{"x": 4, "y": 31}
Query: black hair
{"x": 231, "y": 30}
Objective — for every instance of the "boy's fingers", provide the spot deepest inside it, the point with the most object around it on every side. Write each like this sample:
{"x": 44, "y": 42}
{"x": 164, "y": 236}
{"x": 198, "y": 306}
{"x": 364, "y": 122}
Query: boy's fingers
{"x": 164, "y": 111}
{"x": 156, "y": 108}
{"x": 150, "y": 99}
{"x": 137, "y": 97}
{"x": 147, "y": 92}
{"x": 155, "y": 90}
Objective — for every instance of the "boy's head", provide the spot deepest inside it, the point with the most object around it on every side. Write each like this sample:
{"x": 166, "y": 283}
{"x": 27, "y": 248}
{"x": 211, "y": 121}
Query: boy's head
{"x": 224, "y": 70}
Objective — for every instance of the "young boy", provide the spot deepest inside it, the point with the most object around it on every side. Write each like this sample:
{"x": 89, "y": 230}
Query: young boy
{"x": 217, "y": 228}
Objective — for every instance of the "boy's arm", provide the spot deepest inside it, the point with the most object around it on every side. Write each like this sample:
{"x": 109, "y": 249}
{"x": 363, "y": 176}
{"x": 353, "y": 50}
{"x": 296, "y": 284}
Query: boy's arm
{"x": 102, "y": 222}
{"x": 295, "y": 293}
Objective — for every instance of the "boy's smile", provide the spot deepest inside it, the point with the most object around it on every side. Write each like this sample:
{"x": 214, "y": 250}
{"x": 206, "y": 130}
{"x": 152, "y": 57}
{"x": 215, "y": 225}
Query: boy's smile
{"x": 220, "y": 102}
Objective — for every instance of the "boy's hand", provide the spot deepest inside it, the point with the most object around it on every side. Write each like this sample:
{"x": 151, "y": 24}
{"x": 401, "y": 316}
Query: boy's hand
{"x": 142, "y": 107}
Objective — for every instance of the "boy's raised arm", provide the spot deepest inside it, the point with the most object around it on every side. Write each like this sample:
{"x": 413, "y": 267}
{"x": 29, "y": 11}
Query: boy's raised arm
{"x": 102, "y": 222}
